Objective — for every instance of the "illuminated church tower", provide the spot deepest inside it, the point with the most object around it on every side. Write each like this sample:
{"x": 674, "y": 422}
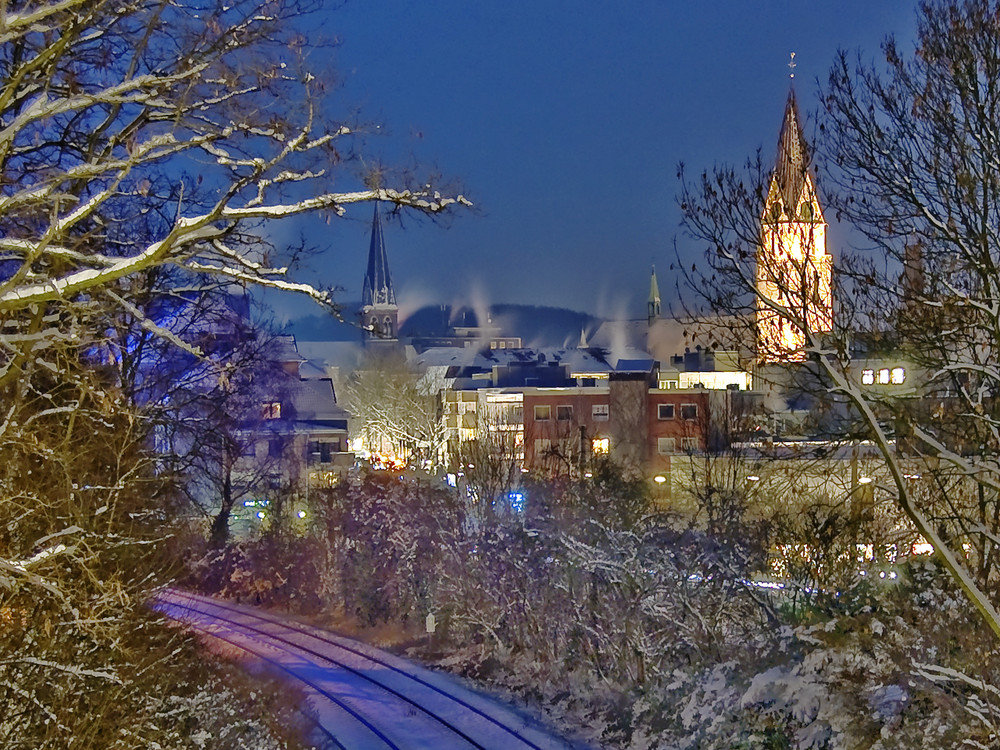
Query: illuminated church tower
{"x": 793, "y": 268}
{"x": 379, "y": 314}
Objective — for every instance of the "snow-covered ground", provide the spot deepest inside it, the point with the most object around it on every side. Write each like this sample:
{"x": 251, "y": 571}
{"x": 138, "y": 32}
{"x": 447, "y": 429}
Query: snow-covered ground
{"x": 360, "y": 696}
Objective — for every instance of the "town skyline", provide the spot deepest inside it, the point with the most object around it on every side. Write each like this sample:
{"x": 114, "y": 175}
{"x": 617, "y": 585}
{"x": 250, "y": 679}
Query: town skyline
{"x": 599, "y": 106}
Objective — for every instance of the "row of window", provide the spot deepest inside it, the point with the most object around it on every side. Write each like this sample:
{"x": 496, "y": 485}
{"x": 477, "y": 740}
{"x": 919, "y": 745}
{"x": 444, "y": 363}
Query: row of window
{"x": 320, "y": 451}
{"x": 667, "y": 445}
{"x": 884, "y": 376}
{"x": 689, "y": 412}
{"x": 601, "y": 412}
{"x": 543, "y": 413}
{"x": 601, "y": 446}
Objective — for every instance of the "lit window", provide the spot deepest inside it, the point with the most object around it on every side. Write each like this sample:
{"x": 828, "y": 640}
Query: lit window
{"x": 897, "y": 376}
{"x": 665, "y": 411}
{"x": 883, "y": 376}
{"x": 601, "y": 446}
{"x": 503, "y": 344}
{"x": 272, "y": 410}
{"x": 601, "y": 412}
{"x": 689, "y": 411}
{"x": 493, "y": 345}
{"x": 666, "y": 446}
{"x": 564, "y": 413}
{"x": 867, "y": 377}
{"x": 689, "y": 444}
{"x": 543, "y": 413}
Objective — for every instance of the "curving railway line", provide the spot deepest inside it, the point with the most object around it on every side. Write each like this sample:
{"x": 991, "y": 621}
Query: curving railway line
{"x": 360, "y": 696}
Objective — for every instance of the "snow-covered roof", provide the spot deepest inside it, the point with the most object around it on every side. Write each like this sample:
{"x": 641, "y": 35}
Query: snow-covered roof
{"x": 312, "y": 370}
{"x": 465, "y": 363}
{"x": 315, "y": 406}
{"x": 345, "y": 355}
{"x": 284, "y": 350}
{"x": 636, "y": 364}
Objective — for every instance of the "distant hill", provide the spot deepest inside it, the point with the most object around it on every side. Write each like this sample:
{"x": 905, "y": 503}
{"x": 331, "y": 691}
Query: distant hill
{"x": 535, "y": 324}
{"x": 325, "y": 327}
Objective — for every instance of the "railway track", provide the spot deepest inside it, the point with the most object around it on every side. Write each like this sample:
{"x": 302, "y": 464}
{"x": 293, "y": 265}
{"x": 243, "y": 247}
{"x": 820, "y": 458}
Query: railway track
{"x": 362, "y": 697}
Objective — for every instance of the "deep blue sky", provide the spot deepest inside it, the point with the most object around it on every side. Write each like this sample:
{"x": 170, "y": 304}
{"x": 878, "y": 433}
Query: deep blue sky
{"x": 565, "y": 122}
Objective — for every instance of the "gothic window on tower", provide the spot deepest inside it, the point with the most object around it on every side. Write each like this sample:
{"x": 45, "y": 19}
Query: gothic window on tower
{"x": 388, "y": 326}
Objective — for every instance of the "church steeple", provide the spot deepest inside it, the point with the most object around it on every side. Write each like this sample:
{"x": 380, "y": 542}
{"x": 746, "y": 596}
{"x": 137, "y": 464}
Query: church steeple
{"x": 793, "y": 268}
{"x": 792, "y": 184}
{"x": 378, "y": 298}
{"x": 653, "y": 303}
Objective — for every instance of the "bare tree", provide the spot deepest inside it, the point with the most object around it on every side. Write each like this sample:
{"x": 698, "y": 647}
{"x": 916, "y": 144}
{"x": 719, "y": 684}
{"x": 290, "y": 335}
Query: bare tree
{"x": 96, "y": 124}
{"x": 911, "y": 148}
{"x": 491, "y": 462}
{"x": 396, "y": 409}
{"x": 140, "y": 149}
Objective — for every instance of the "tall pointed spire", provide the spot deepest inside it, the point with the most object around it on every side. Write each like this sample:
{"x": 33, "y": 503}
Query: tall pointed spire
{"x": 794, "y": 270}
{"x": 379, "y": 314}
{"x": 793, "y": 162}
{"x": 378, "y": 291}
{"x": 653, "y": 304}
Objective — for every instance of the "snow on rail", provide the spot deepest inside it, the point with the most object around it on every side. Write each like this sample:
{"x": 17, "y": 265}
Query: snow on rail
{"x": 360, "y": 696}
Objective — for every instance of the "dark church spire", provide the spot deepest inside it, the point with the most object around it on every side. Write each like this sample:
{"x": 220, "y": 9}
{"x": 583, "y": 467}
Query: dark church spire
{"x": 378, "y": 299}
{"x": 378, "y": 291}
{"x": 793, "y": 156}
{"x": 653, "y": 303}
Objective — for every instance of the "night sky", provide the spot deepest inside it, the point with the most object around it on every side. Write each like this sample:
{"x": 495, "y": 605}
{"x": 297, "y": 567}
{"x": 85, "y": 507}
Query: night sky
{"x": 565, "y": 122}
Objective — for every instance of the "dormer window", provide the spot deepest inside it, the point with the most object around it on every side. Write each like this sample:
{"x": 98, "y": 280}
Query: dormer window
{"x": 272, "y": 410}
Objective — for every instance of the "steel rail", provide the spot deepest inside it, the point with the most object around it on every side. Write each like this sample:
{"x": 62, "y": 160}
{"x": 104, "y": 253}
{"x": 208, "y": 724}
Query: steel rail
{"x": 347, "y": 668}
{"x": 337, "y": 642}
{"x": 305, "y": 680}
